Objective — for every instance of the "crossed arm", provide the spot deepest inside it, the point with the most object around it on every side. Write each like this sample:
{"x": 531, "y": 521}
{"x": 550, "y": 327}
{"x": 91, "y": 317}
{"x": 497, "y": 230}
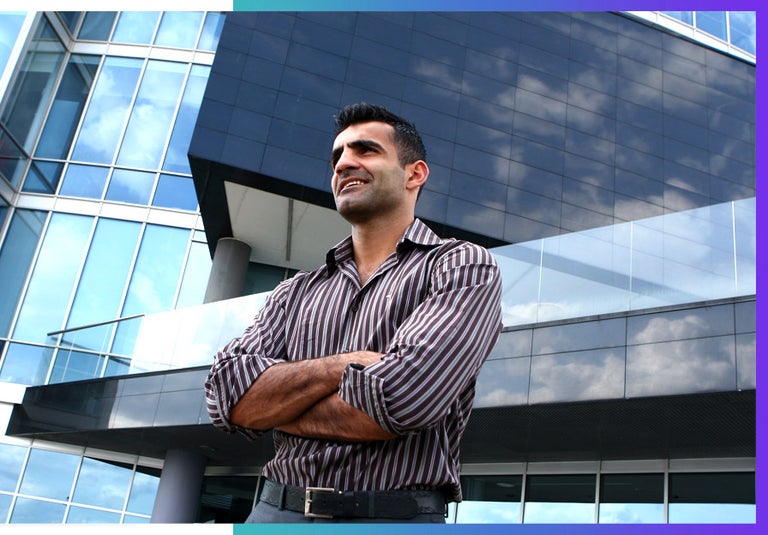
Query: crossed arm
{"x": 300, "y": 398}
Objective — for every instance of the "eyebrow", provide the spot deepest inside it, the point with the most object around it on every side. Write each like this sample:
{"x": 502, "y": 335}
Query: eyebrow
{"x": 356, "y": 144}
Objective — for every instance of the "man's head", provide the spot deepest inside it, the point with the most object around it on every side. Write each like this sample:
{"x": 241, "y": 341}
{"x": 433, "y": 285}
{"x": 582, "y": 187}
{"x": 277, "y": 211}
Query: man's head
{"x": 407, "y": 139}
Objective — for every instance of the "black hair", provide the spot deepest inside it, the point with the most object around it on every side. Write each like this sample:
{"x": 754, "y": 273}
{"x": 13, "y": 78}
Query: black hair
{"x": 409, "y": 145}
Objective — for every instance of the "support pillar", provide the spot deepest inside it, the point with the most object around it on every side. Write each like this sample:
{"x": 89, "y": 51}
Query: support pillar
{"x": 230, "y": 266}
{"x": 178, "y": 494}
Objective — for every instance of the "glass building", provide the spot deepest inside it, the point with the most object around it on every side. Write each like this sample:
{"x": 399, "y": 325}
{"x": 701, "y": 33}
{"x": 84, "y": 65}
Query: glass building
{"x": 159, "y": 172}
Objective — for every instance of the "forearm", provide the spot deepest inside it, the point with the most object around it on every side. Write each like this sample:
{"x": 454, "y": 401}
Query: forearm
{"x": 334, "y": 419}
{"x": 285, "y": 391}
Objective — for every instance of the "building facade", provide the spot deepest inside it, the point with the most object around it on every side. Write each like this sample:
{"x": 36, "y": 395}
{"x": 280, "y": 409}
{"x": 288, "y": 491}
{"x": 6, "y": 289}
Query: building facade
{"x": 160, "y": 171}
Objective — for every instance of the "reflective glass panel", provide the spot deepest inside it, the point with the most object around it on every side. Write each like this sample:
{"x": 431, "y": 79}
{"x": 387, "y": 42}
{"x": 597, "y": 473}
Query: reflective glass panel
{"x": 16, "y": 254}
{"x": 179, "y": 29}
{"x": 53, "y": 279}
{"x": 102, "y": 484}
{"x": 743, "y": 30}
{"x": 684, "y": 16}
{"x": 10, "y": 26}
{"x": 631, "y": 499}
{"x": 43, "y": 177}
{"x": 152, "y": 113}
{"x": 175, "y": 192}
{"x": 712, "y": 22}
{"x": 28, "y": 98}
{"x": 107, "y": 111}
{"x": 211, "y": 31}
{"x": 176, "y": 158}
{"x": 97, "y": 25}
{"x": 560, "y": 499}
{"x": 490, "y": 499}
{"x": 84, "y": 181}
{"x": 745, "y": 217}
{"x": 12, "y": 158}
{"x": 49, "y": 474}
{"x": 67, "y": 106}
{"x": 11, "y": 461}
{"x": 29, "y": 511}
{"x": 104, "y": 279}
{"x": 25, "y": 364}
{"x": 195, "y": 280}
{"x": 136, "y": 27}
{"x": 85, "y": 515}
{"x": 5, "y": 506}
{"x": 519, "y": 265}
{"x": 143, "y": 491}
{"x": 75, "y": 366}
{"x": 721, "y": 498}
{"x": 133, "y": 187}
{"x": 578, "y": 376}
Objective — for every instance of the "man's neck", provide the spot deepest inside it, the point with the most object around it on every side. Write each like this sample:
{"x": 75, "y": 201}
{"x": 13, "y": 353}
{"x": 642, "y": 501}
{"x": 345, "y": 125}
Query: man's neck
{"x": 374, "y": 242}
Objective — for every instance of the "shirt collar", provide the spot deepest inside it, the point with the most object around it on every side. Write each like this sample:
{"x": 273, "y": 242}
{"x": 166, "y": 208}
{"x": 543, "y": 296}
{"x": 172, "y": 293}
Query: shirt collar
{"x": 417, "y": 234}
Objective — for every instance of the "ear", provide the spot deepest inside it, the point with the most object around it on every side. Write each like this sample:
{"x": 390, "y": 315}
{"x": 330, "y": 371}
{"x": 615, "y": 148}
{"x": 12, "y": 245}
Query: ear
{"x": 418, "y": 172}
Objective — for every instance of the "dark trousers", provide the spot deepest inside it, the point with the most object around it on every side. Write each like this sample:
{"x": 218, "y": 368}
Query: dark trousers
{"x": 265, "y": 513}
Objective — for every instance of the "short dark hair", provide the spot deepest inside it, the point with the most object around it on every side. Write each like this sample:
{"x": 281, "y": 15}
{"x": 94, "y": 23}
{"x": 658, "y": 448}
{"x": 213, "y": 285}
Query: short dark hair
{"x": 409, "y": 145}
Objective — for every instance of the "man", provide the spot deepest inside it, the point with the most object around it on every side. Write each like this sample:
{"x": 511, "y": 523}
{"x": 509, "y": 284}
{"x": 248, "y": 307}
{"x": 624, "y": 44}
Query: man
{"x": 365, "y": 368}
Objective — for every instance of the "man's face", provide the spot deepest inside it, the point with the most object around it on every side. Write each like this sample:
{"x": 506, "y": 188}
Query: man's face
{"x": 368, "y": 180}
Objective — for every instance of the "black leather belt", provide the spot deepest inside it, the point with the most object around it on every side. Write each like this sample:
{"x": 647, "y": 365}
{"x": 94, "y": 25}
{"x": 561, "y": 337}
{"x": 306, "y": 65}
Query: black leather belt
{"x": 329, "y": 503}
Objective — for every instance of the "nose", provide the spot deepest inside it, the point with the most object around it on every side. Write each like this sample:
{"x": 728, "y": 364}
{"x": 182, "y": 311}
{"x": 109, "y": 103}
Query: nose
{"x": 346, "y": 161}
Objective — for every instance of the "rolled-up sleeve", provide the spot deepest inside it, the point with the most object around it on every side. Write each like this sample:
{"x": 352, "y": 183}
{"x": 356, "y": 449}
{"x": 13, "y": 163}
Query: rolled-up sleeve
{"x": 239, "y": 363}
{"x": 437, "y": 352}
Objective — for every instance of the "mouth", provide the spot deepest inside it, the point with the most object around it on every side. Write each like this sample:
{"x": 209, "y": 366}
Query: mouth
{"x": 350, "y": 183}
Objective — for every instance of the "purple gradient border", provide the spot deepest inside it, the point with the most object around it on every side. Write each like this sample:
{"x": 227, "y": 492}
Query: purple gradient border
{"x": 761, "y": 162}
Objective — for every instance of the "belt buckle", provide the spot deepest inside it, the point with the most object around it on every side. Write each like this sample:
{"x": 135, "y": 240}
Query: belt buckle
{"x": 308, "y": 501}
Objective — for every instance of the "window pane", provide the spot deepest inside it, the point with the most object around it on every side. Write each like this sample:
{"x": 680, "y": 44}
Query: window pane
{"x": 560, "y": 499}
{"x": 104, "y": 279}
{"x": 49, "y": 474}
{"x": 196, "y": 274}
{"x": 84, "y": 515}
{"x": 631, "y": 498}
{"x": 712, "y": 22}
{"x": 176, "y": 159}
{"x": 43, "y": 177}
{"x": 16, "y": 254}
{"x": 490, "y": 499}
{"x": 211, "y": 31}
{"x": 107, "y": 110}
{"x": 75, "y": 366}
{"x": 67, "y": 106}
{"x": 102, "y": 484}
{"x": 84, "y": 181}
{"x": 5, "y": 506}
{"x": 10, "y": 26}
{"x": 97, "y": 25}
{"x": 11, "y": 461}
{"x": 179, "y": 29}
{"x": 175, "y": 192}
{"x": 143, "y": 491}
{"x": 130, "y": 186}
{"x": 25, "y": 364}
{"x": 136, "y": 27}
{"x": 27, "y": 511}
{"x": 12, "y": 158}
{"x": 29, "y": 96}
{"x": 631, "y": 513}
{"x": 743, "y": 30}
{"x": 684, "y": 16}
{"x": 150, "y": 122}
{"x": 54, "y": 277}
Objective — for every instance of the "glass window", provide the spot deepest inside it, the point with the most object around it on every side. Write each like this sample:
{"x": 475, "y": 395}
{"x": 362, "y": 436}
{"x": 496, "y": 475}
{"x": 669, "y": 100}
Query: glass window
{"x": 743, "y": 30}
{"x": 175, "y": 192}
{"x": 196, "y": 273}
{"x": 211, "y": 31}
{"x": 133, "y": 187}
{"x": 631, "y": 499}
{"x": 490, "y": 499}
{"x": 25, "y": 364}
{"x": 85, "y": 515}
{"x": 10, "y": 26}
{"x": 107, "y": 110}
{"x": 683, "y": 16}
{"x": 722, "y": 498}
{"x": 136, "y": 27}
{"x": 49, "y": 474}
{"x": 150, "y": 121}
{"x": 12, "y": 158}
{"x": 75, "y": 366}
{"x": 54, "y": 276}
{"x": 29, "y": 511}
{"x": 5, "y": 506}
{"x": 176, "y": 159}
{"x": 103, "y": 282}
{"x": 70, "y": 19}
{"x": 84, "y": 181}
{"x": 16, "y": 254}
{"x": 43, "y": 177}
{"x": 67, "y": 106}
{"x": 97, "y": 25}
{"x": 712, "y": 22}
{"x": 143, "y": 491}
{"x": 29, "y": 96}
{"x": 179, "y": 29}
{"x": 11, "y": 461}
{"x": 102, "y": 484}
{"x": 560, "y": 499}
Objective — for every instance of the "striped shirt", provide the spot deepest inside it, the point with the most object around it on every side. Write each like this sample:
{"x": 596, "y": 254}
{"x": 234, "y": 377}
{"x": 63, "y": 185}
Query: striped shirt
{"x": 432, "y": 308}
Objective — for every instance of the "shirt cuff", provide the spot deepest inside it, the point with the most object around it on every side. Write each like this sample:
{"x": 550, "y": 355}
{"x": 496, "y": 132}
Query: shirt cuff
{"x": 365, "y": 391}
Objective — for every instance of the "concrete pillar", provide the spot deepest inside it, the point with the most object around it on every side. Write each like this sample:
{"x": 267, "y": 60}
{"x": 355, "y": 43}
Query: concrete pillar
{"x": 230, "y": 266}
{"x": 178, "y": 494}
